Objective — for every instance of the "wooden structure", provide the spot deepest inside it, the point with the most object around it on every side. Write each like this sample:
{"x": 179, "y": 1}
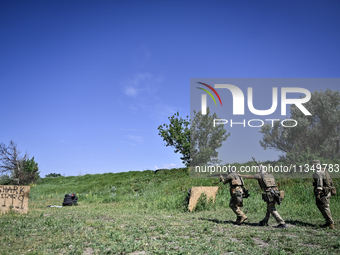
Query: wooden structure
{"x": 196, "y": 193}
{"x": 14, "y": 198}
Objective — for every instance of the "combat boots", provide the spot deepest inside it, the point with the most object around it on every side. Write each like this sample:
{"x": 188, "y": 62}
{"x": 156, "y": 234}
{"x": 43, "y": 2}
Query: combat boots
{"x": 282, "y": 226}
{"x": 241, "y": 219}
{"x": 263, "y": 223}
{"x": 328, "y": 225}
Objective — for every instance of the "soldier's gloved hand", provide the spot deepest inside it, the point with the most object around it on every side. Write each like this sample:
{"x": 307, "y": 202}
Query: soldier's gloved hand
{"x": 318, "y": 194}
{"x": 221, "y": 178}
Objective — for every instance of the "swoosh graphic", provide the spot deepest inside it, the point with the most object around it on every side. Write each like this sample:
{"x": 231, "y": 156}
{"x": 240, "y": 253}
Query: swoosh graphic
{"x": 208, "y": 93}
{"x": 212, "y": 90}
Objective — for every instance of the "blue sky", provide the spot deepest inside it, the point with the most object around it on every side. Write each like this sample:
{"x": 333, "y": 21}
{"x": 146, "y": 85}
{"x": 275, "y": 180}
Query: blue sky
{"x": 85, "y": 84}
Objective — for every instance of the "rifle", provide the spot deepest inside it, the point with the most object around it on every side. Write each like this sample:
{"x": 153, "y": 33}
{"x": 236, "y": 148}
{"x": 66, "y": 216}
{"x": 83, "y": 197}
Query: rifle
{"x": 259, "y": 166}
{"x": 218, "y": 175}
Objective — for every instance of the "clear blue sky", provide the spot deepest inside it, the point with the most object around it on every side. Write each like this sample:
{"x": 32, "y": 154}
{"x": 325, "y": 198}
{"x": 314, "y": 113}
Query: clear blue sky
{"x": 85, "y": 84}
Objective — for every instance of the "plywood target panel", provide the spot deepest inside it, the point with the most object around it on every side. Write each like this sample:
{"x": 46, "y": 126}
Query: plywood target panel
{"x": 14, "y": 198}
{"x": 196, "y": 192}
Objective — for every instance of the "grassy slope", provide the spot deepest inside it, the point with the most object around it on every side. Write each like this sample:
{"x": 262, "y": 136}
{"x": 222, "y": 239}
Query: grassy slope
{"x": 144, "y": 212}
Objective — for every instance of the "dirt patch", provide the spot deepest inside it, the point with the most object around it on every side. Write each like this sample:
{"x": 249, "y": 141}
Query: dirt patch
{"x": 105, "y": 218}
{"x": 185, "y": 237}
{"x": 88, "y": 251}
{"x": 259, "y": 242}
{"x": 312, "y": 245}
{"x": 290, "y": 235}
{"x": 234, "y": 240}
{"x": 137, "y": 253}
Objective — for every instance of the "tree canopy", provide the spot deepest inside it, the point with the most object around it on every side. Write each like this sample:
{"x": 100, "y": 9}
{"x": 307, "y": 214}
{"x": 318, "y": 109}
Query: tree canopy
{"x": 317, "y": 135}
{"x": 197, "y": 140}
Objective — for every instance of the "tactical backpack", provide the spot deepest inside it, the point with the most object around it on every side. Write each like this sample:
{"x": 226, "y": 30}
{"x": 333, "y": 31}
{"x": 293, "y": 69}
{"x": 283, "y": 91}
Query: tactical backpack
{"x": 236, "y": 180}
{"x": 70, "y": 199}
{"x": 268, "y": 181}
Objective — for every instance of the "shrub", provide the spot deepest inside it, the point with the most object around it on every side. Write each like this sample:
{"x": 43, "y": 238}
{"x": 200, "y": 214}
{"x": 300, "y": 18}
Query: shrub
{"x": 27, "y": 173}
{"x": 52, "y": 175}
{"x": 5, "y": 179}
{"x": 203, "y": 203}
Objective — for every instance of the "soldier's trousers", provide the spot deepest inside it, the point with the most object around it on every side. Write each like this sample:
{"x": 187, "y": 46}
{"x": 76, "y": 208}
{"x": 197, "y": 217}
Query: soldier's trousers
{"x": 271, "y": 209}
{"x": 237, "y": 209}
{"x": 323, "y": 205}
{"x": 236, "y": 201}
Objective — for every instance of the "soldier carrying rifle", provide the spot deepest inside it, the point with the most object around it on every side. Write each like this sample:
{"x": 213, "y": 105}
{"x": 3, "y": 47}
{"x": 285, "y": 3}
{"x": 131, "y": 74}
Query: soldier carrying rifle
{"x": 237, "y": 193}
{"x": 271, "y": 195}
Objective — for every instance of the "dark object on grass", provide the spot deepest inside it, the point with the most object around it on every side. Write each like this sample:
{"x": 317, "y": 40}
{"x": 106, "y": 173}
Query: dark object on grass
{"x": 187, "y": 199}
{"x": 70, "y": 199}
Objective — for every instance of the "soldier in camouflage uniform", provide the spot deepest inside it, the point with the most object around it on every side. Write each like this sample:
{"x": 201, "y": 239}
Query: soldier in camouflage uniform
{"x": 323, "y": 189}
{"x": 237, "y": 194}
{"x": 271, "y": 195}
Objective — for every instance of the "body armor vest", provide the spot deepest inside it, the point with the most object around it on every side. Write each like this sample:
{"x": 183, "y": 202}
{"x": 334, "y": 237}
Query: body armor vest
{"x": 326, "y": 178}
{"x": 267, "y": 181}
{"x": 236, "y": 180}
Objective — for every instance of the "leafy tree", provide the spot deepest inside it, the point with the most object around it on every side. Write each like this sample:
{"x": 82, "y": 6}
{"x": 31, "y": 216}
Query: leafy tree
{"x": 177, "y": 134}
{"x": 317, "y": 135}
{"x": 29, "y": 173}
{"x": 196, "y": 141}
{"x": 22, "y": 169}
{"x": 205, "y": 139}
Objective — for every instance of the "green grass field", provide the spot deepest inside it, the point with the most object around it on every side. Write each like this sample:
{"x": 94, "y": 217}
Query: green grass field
{"x": 144, "y": 213}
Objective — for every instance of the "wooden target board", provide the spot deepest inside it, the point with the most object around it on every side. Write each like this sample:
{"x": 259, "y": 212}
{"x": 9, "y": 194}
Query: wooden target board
{"x": 14, "y": 198}
{"x": 196, "y": 193}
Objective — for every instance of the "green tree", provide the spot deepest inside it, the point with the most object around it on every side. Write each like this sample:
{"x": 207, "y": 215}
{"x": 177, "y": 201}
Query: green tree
{"x": 177, "y": 134}
{"x": 197, "y": 141}
{"x": 317, "y": 135}
{"x": 22, "y": 169}
{"x": 29, "y": 173}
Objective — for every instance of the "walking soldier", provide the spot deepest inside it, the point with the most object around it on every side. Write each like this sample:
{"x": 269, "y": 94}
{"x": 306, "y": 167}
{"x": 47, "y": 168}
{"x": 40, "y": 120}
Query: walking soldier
{"x": 323, "y": 190}
{"x": 271, "y": 195}
{"x": 237, "y": 193}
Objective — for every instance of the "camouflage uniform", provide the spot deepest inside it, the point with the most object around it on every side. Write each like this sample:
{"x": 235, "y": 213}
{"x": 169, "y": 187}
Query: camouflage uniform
{"x": 322, "y": 190}
{"x": 271, "y": 196}
{"x": 236, "y": 193}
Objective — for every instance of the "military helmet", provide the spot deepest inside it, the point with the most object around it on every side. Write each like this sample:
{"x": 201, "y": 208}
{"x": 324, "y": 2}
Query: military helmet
{"x": 315, "y": 162}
